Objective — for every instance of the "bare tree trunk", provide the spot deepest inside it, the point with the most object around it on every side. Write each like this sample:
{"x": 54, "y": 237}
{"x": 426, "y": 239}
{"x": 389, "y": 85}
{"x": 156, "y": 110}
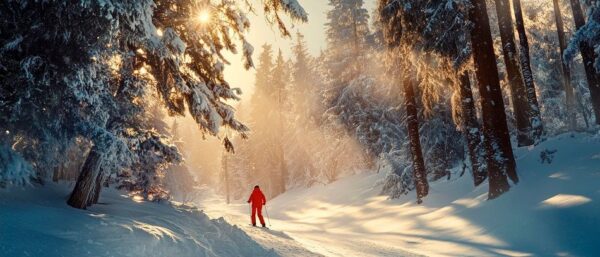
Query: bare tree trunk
{"x": 537, "y": 127}
{"x": 499, "y": 155}
{"x": 566, "y": 72}
{"x": 472, "y": 130}
{"x": 588, "y": 55}
{"x": 420, "y": 174}
{"x": 515, "y": 80}
{"x": 85, "y": 189}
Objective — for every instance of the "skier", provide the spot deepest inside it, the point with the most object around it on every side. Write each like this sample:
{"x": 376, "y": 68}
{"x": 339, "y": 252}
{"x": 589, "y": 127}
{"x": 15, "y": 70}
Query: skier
{"x": 258, "y": 200}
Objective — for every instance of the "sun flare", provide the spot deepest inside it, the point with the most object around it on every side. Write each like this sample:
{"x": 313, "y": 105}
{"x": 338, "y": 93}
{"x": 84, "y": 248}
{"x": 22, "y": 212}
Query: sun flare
{"x": 204, "y": 16}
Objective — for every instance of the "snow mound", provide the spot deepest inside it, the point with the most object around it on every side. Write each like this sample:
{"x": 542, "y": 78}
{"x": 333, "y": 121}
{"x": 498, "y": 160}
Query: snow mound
{"x": 553, "y": 211}
{"x": 37, "y": 222}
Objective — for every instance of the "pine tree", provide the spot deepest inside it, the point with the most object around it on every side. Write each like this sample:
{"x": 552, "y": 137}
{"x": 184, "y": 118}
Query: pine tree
{"x": 394, "y": 33}
{"x": 304, "y": 86}
{"x": 519, "y": 97}
{"x": 261, "y": 108}
{"x": 440, "y": 29}
{"x": 471, "y": 129}
{"x": 566, "y": 72}
{"x": 346, "y": 30}
{"x": 280, "y": 80}
{"x": 587, "y": 33}
{"x": 535, "y": 117}
{"x": 499, "y": 156}
{"x": 268, "y": 112}
{"x": 78, "y": 81}
{"x": 412, "y": 122}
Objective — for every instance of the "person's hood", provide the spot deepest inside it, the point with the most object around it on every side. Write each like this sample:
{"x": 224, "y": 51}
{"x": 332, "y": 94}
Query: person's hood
{"x": 256, "y": 190}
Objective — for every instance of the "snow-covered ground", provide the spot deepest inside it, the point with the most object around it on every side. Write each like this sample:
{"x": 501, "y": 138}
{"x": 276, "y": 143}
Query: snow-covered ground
{"x": 553, "y": 211}
{"x": 37, "y": 222}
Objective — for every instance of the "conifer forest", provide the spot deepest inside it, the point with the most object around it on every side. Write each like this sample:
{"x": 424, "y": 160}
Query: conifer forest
{"x": 299, "y": 128}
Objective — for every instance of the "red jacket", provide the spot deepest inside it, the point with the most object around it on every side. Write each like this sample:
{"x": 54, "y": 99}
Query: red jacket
{"x": 257, "y": 198}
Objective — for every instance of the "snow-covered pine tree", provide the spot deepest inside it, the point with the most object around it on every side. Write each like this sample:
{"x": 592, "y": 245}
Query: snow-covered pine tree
{"x": 566, "y": 72}
{"x": 304, "y": 88}
{"x": 587, "y": 40}
{"x": 518, "y": 91}
{"x": 149, "y": 140}
{"x": 178, "y": 180}
{"x": 562, "y": 109}
{"x": 261, "y": 106}
{"x": 443, "y": 28}
{"x": 281, "y": 80}
{"x": 500, "y": 160}
{"x": 403, "y": 24}
{"x": 347, "y": 31}
{"x": 269, "y": 113}
{"x": 396, "y": 40}
{"x": 75, "y": 80}
{"x": 469, "y": 125}
{"x": 537, "y": 128}
{"x": 55, "y": 79}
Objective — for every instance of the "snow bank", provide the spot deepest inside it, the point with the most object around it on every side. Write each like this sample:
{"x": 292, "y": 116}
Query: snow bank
{"x": 553, "y": 211}
{"x": 37, "y": 222}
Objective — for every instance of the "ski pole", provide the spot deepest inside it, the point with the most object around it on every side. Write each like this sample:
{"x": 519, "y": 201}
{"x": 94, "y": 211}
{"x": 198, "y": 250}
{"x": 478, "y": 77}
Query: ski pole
{"x": 268, "y": 219}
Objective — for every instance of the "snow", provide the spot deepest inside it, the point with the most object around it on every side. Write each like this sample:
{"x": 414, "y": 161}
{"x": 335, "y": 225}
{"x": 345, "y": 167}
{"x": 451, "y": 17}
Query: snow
{"x": 14, "y": 170}
{"x": 553, "y": 211}
{"x": 37, "y": 222}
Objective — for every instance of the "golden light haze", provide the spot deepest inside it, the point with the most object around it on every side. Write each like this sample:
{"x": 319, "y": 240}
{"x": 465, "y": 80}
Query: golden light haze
{"x": 261, "y": 32}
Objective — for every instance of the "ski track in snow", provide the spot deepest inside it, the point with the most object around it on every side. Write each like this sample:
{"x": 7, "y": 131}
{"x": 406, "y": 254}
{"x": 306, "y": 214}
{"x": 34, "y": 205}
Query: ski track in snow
{"x": 269, "y": 238}
{"x": 293, "y": 238}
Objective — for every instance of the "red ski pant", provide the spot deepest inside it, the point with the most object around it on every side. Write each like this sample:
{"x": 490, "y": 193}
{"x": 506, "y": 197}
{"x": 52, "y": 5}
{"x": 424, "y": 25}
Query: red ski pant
{"x": 255, "y": 210}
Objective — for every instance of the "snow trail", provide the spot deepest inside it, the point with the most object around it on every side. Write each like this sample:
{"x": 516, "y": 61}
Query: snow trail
{"x": 553, "y": 211}
{"x": 295, "y": 237}
{"x": 269, "y": 238}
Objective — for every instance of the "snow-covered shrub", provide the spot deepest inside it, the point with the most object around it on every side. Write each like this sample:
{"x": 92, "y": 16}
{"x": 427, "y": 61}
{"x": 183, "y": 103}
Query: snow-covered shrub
{"x": 14, "y": 170}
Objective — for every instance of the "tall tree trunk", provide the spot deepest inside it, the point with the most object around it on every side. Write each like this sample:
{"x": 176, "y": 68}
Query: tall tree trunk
{"x": 85, "y": 189}
{"x": 566, "y": 72}
{"x": 499, "y": 155}
{"x": 515, "y": 80}
{"x": 472, "y": 130}
{"x": 588, "y": 55}
{"x": 225, "y": 169}
{"x": 420, "y": 174}
{"x": 537, "y": 127}
{"x": 280, "y": 149}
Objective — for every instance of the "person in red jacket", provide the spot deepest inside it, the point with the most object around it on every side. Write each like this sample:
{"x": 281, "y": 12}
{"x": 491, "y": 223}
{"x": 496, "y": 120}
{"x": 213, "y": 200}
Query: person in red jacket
{"x": 257, "y": 198}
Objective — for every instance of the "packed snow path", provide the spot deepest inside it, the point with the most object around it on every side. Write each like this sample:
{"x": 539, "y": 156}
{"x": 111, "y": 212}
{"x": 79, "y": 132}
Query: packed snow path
{"x": 553, "y": 211}
{"x": 271, "y": 238}
{"x": 296, "y": 237}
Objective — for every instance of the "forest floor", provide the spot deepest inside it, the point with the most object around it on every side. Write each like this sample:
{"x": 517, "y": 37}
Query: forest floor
{"x": 553, "y": 211}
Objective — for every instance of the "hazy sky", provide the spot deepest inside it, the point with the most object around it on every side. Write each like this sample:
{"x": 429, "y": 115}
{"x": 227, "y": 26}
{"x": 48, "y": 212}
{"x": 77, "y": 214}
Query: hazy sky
{"x": 261, "y": 33}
